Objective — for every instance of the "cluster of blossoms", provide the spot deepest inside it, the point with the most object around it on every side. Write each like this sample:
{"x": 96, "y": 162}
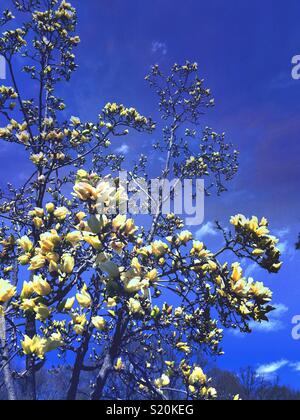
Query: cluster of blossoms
{"x": 8, "y": 98}
{"x": 185, "y": 266}
{"x": 115, "y": 115}
{"x": 254, "y": 236}
{"x": 131, "y": 304}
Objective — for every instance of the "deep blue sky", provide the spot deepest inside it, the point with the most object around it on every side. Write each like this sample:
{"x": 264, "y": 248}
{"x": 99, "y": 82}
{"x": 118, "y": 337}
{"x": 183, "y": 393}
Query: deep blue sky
{"x": 244, "y": 50}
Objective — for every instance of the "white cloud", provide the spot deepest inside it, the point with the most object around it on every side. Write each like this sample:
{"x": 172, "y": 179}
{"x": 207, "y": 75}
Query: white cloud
{"x": 274, "y": 324}
{"x": 283, "y": 246}
{"x": 124, "y": 149}
{"x": 269, "y": 370}
{"x": 295, "y": 366}
{"x": 282, "y": 233}
{"x": 206, "y": 230}
{"x": 280, "y": 310}
{"x": 159, "y": 47}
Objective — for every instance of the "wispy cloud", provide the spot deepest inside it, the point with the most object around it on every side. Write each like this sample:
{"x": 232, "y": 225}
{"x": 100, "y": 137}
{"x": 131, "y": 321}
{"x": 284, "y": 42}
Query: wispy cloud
{"x": 275, "y": 320}
{"x": 283, "y": 246}
{"x": 269, "y": 370}
{"x": 282, "y": 233}
{"x": 295, "y": 366}
{"x": 206, "y": 230}
{"x": 123, "y": 149}
{"x": 274, "y": 324}
{"x": 159, "y": 48}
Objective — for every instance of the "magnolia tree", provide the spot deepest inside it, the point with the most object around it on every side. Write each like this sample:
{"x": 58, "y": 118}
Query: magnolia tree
{"x": 134, "y": 306}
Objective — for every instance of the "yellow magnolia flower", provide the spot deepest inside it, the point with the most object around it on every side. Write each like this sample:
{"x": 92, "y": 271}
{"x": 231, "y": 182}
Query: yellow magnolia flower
{"x": 197, "y": 377}
{"x": 159, "y": 249}
{"x": 37, "y": 262}
{"x": 41, "y": 286}
{"x": 80, "y": 216}
{"x": 7, "y": 291}
{"x": 28, "y": 305}
{"x": 99, "y": 323}
{"x": 85, "y": 191}
{"x": 197, "y": 247}
{"x": 52, "y": 256}
{"x": 118, "y": 246}
{"x": 39, "y": 212}
{"x": 278, "y": 266}
{"x": 53, "y": 267}
{"x": 38, "y": 222}
{"x": 83, "y": 298}
{"x": 36, "y": 345}
{"x": 262, "y": 231}
{"x": 75, "y": 121}
{"x": 136, "y": 265}
{"x": 240, "y": 288}
{"x": 237, "y": 272}
{"x": 69, "y": 304}
{"x": 79, "y": 323}
{"x": 54, "y": 342}
{"x": 260, "y": 291}
{"x": 253, "y": 224}
{"x": 238, "y": 219}
{"x": 258, "y": 252}
{"x": 119, "y": 364}
{"x": 132, "y": 283}
{"x": 42, "y": 312}
{"x": 152, "y": 276}
{"x": 24, "y": 259}
{"x": 183, "y": 347}
{"x": 74, "y": 237}
{"x": 50, "y": 207}
{"x": 135, "y": 306}
{"x": 178, "y": 311}
{"x": 68, "y": 264}
{"x": 111, "y": 302}
{"x": 162, "y": 382}
{"x": 27, "y": 290}
{"x": 185, "y": 236}
{"x": 25, "y": 243}
{"x": 48, "y": 241}
{"x": 130, "y": 227}
{"x": 61, "y": 213}
{"x": 118, "y": 222}
{"x": 93, "y": 241}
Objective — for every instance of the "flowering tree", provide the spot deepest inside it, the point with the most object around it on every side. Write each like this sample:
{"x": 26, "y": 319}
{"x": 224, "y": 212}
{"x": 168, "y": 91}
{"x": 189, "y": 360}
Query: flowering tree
{"x": 130, "y": 305}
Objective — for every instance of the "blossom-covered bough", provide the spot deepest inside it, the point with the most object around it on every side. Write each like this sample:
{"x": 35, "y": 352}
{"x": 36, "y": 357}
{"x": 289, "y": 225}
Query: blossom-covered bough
{"x": 133, "y": 306}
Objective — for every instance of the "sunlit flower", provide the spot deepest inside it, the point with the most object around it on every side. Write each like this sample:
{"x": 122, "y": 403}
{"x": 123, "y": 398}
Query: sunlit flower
{"x": 25, "y": 243}
{"x": 7, "y": 291}
{"x": 162, "y": 382}
{"x": 84, "y": 299}
{"x": 41, "y": 286}
{"x": 61, "y": 213}
{"x": 68, "y": 263}
{"x": 99, "y": 323}
{"x": 197, "y": 377}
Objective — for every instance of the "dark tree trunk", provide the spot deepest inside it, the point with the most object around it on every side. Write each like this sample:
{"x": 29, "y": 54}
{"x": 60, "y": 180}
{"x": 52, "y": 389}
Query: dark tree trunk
{"x": 82, "y": 351}
{"x": 5, "y": 365}
{"x": 109, "y": 359}
{"x": 30, "y": 365}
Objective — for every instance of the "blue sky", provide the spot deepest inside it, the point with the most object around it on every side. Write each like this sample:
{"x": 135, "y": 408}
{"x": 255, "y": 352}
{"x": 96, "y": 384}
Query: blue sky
{"x": 244, "y": 50}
